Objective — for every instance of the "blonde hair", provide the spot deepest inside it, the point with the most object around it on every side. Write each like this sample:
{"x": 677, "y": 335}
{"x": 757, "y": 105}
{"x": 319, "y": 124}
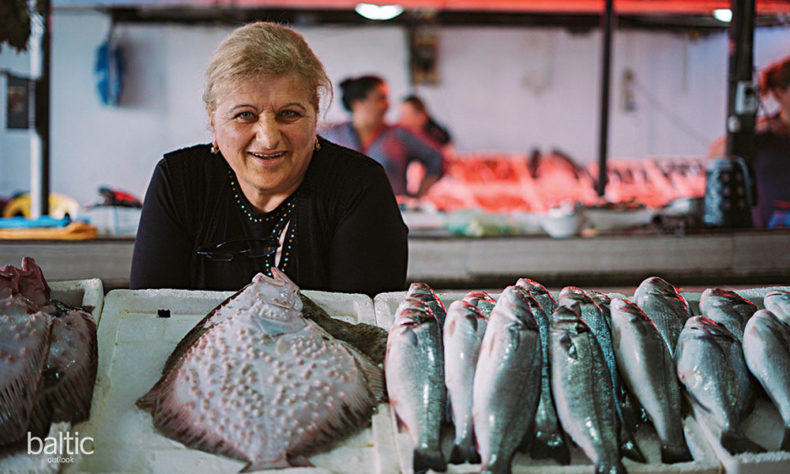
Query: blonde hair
{"x": 263, "y": 49}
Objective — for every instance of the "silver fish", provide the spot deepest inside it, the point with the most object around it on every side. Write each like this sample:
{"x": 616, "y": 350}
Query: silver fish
{"x": 728, "y": 308}
{"x": 603, "y": 301}
{"x": 540, "y": 293}
{"x": 414, "y": 368}
{"x": 582, "y": 390}
{"x": 549, "y": 439}
{"x": 256, "y": 381}
{"x": 482, "y": 300}
{"x": 594, "y": 317}
{"x": 665, "y": 306}
{"x": 425, "y": 293}
{"x": 766, "y": 348}
{"x": 507, "y": 380}
{"x": 649, "y": 372}
{"x": 24, "y": 347}
{"x": 712, "y": 369}
{"x": 778, "y": 302}
{"x": 463, "y": 333}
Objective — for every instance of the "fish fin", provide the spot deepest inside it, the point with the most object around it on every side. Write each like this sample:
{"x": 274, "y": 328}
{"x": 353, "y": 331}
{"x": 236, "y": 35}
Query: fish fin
{"x": 737, "y": 443}
{"x": 425, "y": 459}
{"x": 556, "y": 449}
{"x": 300, "y": 461}
{"x": 464, "y": 454}
{"x": 604, "y": 468}
{"x": 785, "y": 446}
{"x": 675, "y": 454}
{"x": 374, "y": 375}
{"x": 628, "y": 446}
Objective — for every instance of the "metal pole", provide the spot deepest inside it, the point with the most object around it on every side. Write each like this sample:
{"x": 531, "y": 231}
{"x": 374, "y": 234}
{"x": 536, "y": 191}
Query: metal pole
{"x": 42, "y": 111}
{"x": 741, "y": 90}
{"x": 606, "y": 25}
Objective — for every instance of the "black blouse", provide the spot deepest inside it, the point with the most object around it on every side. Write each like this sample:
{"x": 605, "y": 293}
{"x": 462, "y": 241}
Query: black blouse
{"x": 345, "y": 231}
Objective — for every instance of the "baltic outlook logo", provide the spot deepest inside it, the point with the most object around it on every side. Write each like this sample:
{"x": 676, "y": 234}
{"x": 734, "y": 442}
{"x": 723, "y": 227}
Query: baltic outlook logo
{"x": 61, "y": 448}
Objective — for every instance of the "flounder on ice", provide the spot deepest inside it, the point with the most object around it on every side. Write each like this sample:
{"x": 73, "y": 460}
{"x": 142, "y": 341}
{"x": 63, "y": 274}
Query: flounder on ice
{"x": 256, "y": 381}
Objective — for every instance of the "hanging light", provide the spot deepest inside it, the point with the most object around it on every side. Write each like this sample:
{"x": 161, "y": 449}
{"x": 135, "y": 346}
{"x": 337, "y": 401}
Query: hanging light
{"x": 724, "y": 15}
{"x": 378, "y": 12}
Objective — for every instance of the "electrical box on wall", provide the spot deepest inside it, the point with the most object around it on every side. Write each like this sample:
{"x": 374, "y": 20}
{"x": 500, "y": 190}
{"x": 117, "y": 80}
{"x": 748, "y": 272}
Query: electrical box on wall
{"x": 423, "y": 56}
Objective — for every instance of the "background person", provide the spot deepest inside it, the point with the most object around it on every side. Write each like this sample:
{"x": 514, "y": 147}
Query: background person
{"x": 771, "y": 160}
{"x": 395, "y": 147}
{"x": 414, "y": 116}
{"x": 268, "y": 191}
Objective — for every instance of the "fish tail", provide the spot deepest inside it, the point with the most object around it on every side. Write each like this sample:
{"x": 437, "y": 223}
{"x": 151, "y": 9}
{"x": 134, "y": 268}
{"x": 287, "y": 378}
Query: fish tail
{"x": 785, "y": 446}
{"x": 498, "y": 466}
{"x": 556, "y": 449}
{"x": 675, "y": 454}
{"x": 737, "y": 443}
{"x": 425, "y": 459}
{"x": 464, "y": 452}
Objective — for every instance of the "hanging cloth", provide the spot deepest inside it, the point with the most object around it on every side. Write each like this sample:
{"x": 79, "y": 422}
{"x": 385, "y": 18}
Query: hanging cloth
{"x": 108, "y": 71}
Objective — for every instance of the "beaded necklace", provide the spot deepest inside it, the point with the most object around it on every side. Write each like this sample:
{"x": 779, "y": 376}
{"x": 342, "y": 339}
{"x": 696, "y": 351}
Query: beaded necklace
{"x": 281, "y": 217}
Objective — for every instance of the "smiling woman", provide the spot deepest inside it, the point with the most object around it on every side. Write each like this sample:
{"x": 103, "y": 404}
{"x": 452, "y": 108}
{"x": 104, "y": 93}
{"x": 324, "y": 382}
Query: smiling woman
{"x": 327, "y": 213}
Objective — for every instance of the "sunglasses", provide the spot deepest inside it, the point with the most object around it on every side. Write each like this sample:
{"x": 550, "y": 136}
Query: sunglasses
{"x": 250, "y": 248}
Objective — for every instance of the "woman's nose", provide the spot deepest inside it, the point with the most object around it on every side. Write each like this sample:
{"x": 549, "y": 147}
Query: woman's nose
{"x": 268, "y": 133}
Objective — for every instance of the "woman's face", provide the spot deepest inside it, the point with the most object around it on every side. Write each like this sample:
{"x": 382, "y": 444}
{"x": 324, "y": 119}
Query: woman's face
{"x": 783, "y": 97}
{"x": 266, "y": 130}
{"x": 410, "y": 117}
{"x": 374, "y": 106}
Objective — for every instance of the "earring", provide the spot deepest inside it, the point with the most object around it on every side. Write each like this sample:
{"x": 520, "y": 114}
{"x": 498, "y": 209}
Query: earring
{"x": 317, "y": 144}
{"x": 214, "y": 149}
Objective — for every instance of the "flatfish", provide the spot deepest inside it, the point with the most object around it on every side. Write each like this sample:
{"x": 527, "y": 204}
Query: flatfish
{"x": 257, "y": 382}
{"x": 507, "y": 380}
{"x": 24, "y": 346}
{"x": 766, "y": 347}
{"x": 728, "y": 308}
{"x": 414, "y": 368}
{"x": 462, "y": 335}
{"x": 712, "y": 369}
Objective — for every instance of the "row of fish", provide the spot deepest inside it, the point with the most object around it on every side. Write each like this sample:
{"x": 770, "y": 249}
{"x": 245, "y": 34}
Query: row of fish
{"x": 48, "y": 358}
{"x": 263, "y": 378}
{"x": 525, "y": 372}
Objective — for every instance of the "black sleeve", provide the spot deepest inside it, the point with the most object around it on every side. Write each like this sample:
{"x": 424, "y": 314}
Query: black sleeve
{"x": 161, "y": 249}
{"x": 369, "y": 251}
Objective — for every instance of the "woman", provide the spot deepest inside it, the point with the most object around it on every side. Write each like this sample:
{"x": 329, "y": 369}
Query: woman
{"x": 392, "y": 146}
{"x": 268, "y": 191}
{"x": 415, "y": 117}
{"x": 771, "y": 162}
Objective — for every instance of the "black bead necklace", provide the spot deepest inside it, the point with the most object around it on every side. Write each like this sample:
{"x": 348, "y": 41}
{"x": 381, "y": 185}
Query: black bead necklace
{"x": 280, "y": 217}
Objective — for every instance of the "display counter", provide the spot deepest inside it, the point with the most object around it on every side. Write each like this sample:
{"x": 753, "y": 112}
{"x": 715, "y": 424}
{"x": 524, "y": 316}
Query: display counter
{"x": 745, "y": 257}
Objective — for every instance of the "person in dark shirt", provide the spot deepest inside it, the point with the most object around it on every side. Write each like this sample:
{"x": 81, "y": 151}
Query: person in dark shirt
{"x": 268, "y": 191}
{"x": 771, "y": 160}
{"x": 393, "y": 146}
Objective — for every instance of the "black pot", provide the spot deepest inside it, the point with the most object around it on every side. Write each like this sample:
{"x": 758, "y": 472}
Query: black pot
{"x": 727, "y": 194}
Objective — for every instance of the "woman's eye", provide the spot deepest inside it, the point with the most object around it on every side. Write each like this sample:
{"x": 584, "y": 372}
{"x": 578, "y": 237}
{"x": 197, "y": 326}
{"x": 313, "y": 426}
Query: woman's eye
{"x": 246, "y": 116}
{"x": 290, "y": 115}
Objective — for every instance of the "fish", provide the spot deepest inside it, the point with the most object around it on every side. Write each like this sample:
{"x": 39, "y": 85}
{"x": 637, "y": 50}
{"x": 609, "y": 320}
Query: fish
{"x": 27, "y": 280}
{"x": 24, "y": 347}
{"x": 711, "y": 367}
{"x": 548, "y": 438}
{"x": 507, "y": 380}
{"x": 256, "y": 381}
{"x": 583, "y": 391}
{"x": 482, "y": 300}
{"x": 414, "y": 369}
{"x": 603, "y": 301}
{"x": 423, "y": 292}
{"x": 540, "y": 293}
{"x": 665, "y": 306}
{"x": 627, "y": 413}
{"x": 728, "y": 308}
{"x": 778, "y": 302}
{"x": 766, "y": 348}
{"x": 649, "y": 372}
{"x": 463, "y": 334}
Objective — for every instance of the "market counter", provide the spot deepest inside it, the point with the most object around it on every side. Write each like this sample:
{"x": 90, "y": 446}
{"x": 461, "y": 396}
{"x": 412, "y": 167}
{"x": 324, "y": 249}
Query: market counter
{"x": 743, "y": 257}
